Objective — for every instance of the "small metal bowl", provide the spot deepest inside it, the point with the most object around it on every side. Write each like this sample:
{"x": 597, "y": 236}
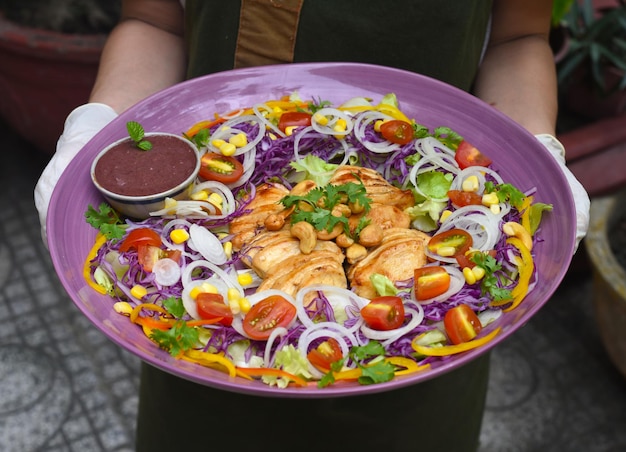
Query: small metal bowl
{"x": 139, "y": 207}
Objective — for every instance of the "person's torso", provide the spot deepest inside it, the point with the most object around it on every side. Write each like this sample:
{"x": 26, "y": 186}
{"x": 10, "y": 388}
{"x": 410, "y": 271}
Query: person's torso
{"x": 442, "y": 39}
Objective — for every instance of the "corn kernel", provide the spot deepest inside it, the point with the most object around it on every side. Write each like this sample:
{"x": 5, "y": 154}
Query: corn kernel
{"x": 234, "y": 306}
{"x": 470, "y": 184}
{"x": 122, "y": 307}
{"x": 215, "y": 199}
{"x": 444, "y": 215}
{"x": 200, "y": 195}
{"x": 289, "y": 130}
{"x": 320, "y": 119}
{"x": 170, "y": 203}
{"x": 233, "y": 294}
{"x": 479, "y": 272}
{"x": 490, "y": 199}
{"x": 377, "y": 125}
{"x": 244, "y": 305}
{"x": 202, "y": 288}
{"x": 469, "y": 276}
{"x": 138, "y": 291}
{"x": 446, "y": 251}
{"x": 340, "y": 125}
{"x": 495, "y": 209}
{"x": 228, "y": 149}
{"x": 217, "y": 143}
{"x": 277, "y": 109}
{"x": 273, "y": 137}
{"x": 228, "y": 249}
{"x": 179, "y": 236}
{"x": 239, "y": 140}
{"x": 244, "y": 279}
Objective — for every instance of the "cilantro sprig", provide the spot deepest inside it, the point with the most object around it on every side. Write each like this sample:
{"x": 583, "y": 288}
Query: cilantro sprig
{"x": 444, "y": 134}
{"x": 137, "y": 133}
{"x": 490, "y": 283}
{"x": 316, "y": 207}
{"x": 368, "y": 358}
{"x": 178, "y": 339}
{"x": 106, "y": 220}
{"x": 506, "y": 193}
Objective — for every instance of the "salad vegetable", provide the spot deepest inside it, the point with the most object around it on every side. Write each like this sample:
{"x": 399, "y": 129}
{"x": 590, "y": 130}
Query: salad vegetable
{"x": 323, "y": 244}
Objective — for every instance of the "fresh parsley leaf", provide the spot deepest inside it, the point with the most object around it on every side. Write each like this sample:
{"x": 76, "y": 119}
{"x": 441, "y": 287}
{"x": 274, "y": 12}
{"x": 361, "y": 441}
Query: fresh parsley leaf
{"x": 444, "y": 134}
{"x": 316, "y": 106}
{"x": 506, "y": 193}
{"x": 316, "y": 207}
{"x": 137, "y": 133}
{"x": 174, "y": 306}
{"x": 201, "y": 139}
{"x": 367, "y": 351}
{"x": 380, "y": 372}
{"x": 106, "y": 220}
{"x": 489, "y": 284}
{"x": 177, "y": 339}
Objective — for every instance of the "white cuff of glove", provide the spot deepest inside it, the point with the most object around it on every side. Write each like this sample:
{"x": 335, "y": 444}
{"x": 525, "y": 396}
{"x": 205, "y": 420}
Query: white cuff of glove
{"x": 581, "y": 198}
{"x": 80, "y": 126}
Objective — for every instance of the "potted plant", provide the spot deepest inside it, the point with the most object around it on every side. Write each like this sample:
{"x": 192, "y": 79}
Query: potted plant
{"x": 559, "y": 34}
{"x": 592, "y": 76}
{"x": 49, "y": 51}
{"x": 606, "y": 247}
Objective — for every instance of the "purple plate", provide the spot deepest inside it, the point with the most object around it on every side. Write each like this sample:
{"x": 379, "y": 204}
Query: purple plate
{"x": 517, "y": 155}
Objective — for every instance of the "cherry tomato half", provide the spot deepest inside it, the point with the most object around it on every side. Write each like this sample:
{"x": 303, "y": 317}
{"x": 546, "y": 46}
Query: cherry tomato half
{"x": 220, "y": 168}
{"x": 397, "y": 131}
{"x": 140, "y": 236}
{"x": 462, "y": 198}
{"x": 461, "y": 324}
{"x": 268, "y": 314}
{"x": 294, "y": 119}
{"x": 459, "y": 240}
{"x": 211, "y": 306}
{"x": 430, "y": 282}
{"x": 465, "y": 259}
{"x": 147, "y": 255}
{"x": 384, "y": 313}
{"x": 325, "y": 354}
{"x": 467, "y": 155}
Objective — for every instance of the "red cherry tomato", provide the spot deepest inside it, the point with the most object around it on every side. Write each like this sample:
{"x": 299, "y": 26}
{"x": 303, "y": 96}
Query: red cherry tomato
{"x": 461, "y": 324}
{"x": 462, "y": 198}
{"x": 294, "y": 119}
{"x": 467, "y": 155}
{"x": 268, "y": 314}
{"x": 465, "y": 259}
{"x": 220, "y": 168}
{"x": 147, "y": 255}
{"x": 384, "y": 313}
{"x": 211, "y": 306}
{"x": 430, "y": 282}
{"x": 397, "y": 131}
{"x": 140, "y": 236}
{"x": 458, "y": 239}
{"x": 325, "y": 354}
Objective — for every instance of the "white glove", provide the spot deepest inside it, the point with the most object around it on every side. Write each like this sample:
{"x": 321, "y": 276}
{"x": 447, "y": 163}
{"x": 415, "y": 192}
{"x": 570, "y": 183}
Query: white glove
{"x": 581, "y": 198}
{"x": 80, "y": 126}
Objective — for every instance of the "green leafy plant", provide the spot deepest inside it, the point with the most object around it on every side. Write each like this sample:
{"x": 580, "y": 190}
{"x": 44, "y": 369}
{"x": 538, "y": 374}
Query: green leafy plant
{"x": 106, "y": 220}
{"x": 597, "y": 41}
{"x": 137, "y": 133}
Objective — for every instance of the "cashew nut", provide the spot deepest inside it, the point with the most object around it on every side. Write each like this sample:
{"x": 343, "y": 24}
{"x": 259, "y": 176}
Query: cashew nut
{"x": 334, "y": 232}
{"x": 274, "y": 222}
{"x": 371, "y": 235}
{"x": 343, "y": 240}
{"x": 306, "y": 233}
{"x": 355, "y": 253}
{"x": 341, "y": 210}
{"x": 513, "y": 229}
{"x": 303, "y": 187}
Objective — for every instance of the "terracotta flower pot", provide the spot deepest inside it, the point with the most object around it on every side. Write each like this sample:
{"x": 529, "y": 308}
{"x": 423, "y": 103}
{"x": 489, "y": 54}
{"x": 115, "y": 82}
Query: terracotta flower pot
{"x": 44, "y": 75}
{"x": 609, "y": 276}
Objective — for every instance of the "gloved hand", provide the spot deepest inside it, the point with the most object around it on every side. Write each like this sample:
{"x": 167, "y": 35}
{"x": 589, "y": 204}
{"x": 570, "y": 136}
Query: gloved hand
{"x": 80, "y": 126}
{"x": 581, "y": 198}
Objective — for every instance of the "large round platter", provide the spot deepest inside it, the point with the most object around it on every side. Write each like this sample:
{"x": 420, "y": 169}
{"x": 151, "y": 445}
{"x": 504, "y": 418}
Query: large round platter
{"x": 517, "y": 155}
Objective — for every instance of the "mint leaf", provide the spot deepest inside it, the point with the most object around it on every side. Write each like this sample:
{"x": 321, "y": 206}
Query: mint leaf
{"x": 136, "y": 133}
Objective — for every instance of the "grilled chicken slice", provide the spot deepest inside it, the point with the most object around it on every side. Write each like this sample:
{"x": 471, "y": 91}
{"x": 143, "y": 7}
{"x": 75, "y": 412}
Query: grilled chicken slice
{"x": 378, "y": 189}
{"x": 400, "y": 253}
{"x": 324, "y": 266}
{"x": 265, "y": 202}
{"x": 386, "y": 217}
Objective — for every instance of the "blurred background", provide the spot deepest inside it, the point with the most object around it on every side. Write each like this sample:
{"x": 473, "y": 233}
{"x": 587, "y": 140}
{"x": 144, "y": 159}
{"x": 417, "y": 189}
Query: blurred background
{"x": 556, "y": 385}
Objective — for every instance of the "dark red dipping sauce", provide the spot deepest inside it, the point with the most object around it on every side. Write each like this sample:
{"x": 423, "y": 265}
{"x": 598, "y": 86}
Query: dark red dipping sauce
{"x": 126, "y": 170}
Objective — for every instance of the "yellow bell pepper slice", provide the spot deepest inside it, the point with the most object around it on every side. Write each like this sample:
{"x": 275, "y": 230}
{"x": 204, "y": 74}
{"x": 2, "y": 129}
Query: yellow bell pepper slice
{"x": 212, "y": 360}
{"x": 100, "y": 241}
{"x": 447, "y": 350}
{"x": 526, "y": 268}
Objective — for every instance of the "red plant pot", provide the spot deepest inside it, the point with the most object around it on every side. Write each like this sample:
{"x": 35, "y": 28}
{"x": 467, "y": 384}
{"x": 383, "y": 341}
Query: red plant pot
{"x": 44, "y": 75}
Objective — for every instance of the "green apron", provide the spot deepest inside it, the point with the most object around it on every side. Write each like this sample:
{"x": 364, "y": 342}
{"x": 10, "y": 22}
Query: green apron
{"x": 439, "y": 38}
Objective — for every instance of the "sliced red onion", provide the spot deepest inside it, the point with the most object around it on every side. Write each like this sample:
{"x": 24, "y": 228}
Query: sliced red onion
{"x": 267, "y": 356}
{"x": 333, "y": 116}
{"x": 207, "y": 244}
{"x": 166, "y": 272}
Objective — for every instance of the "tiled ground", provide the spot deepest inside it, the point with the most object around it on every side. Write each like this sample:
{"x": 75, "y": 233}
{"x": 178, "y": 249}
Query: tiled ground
{"x": 65, "y": 387}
